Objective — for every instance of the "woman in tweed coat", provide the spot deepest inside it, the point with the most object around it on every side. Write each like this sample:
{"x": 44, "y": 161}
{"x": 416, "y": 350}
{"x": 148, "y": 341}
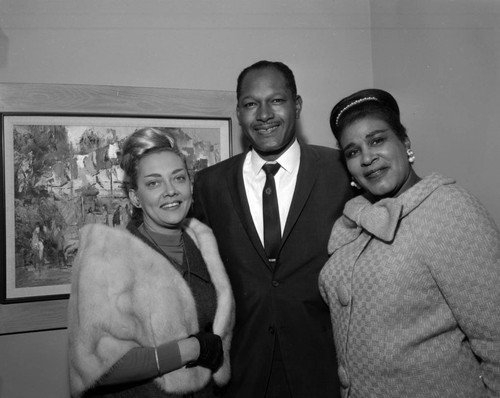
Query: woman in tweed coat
{"x": 413, "y": 281}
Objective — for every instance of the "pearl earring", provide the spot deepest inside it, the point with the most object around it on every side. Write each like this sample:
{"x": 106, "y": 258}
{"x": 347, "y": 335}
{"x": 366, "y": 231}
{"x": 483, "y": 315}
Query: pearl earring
{"x": 354, "y": 184}
{"x": 411, "y": 156}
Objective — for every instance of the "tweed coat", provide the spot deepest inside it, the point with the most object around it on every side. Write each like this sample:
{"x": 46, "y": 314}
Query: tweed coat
{"x": 124, "y": 295}
{"x": 280, "y": 304}
{"x": 413, "y": 285}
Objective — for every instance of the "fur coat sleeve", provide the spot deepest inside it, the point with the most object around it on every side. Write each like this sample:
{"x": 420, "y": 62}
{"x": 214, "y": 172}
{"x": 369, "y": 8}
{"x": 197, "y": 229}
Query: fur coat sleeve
{"x": 125, "y": 295}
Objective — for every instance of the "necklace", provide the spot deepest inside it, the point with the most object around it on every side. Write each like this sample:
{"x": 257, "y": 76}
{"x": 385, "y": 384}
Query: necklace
{"x": 164, "y": 250}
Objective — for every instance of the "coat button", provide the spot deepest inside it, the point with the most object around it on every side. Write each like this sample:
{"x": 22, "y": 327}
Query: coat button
{"x": 343, "y": 377}
{"x": 343, "y": 295}
{"x": 270, "y": 329}
{"x": 275, "y": 283}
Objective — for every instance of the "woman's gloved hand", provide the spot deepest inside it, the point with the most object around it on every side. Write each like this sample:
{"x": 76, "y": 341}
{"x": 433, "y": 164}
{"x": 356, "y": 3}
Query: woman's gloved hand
{"x": 211, "y": 352}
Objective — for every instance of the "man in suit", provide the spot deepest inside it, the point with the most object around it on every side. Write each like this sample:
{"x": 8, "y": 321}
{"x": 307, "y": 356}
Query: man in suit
{"x": 282, "y": 343}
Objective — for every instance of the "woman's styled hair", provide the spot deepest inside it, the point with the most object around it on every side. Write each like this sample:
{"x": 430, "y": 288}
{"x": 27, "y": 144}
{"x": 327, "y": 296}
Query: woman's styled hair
{"x": 370, "y": 102}
{"x": 141, "y": 143}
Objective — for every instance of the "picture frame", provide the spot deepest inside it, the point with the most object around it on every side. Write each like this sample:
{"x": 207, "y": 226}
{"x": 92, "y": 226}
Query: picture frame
{"x": 43, "y": 312}
{"x": 61, "y": 172}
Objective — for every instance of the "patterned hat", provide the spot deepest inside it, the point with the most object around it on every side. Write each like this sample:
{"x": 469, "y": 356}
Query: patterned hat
{"x": 359, "y": 98}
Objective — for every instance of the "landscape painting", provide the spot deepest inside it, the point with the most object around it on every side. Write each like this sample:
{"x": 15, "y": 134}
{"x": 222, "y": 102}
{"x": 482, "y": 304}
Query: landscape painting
{"x": 61, "y": 172}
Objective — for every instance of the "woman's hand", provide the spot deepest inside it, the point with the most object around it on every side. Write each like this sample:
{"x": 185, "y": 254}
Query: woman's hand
{"x": 211, "y": 354}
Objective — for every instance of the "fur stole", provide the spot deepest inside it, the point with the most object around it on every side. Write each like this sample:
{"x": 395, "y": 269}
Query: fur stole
{"x": 125, "y": 295}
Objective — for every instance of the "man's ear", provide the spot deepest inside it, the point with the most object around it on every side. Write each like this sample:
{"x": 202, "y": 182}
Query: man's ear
{"x": 238, "y": 114}
{"x": 298, "y": 106}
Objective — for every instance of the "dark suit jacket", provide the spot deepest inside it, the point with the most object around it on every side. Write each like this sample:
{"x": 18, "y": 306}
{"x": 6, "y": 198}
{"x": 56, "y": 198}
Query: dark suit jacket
{"x": 283, "y": 302}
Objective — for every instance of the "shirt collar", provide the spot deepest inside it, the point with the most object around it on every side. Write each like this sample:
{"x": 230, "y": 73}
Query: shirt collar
{"x": 288, "y": 160}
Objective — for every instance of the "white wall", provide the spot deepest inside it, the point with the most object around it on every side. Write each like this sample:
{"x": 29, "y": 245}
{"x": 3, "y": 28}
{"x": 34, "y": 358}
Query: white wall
{"x": 193, "y": 44}
{"x": 190, "y": 45}
{"x": 441, "y": 60}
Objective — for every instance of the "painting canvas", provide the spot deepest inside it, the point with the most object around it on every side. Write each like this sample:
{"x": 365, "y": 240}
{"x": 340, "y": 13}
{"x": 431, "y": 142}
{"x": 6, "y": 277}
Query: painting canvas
{"x": 61, "y": 172}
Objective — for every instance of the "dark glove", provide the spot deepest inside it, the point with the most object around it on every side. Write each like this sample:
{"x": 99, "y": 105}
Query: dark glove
{"x": 211, "y": 353}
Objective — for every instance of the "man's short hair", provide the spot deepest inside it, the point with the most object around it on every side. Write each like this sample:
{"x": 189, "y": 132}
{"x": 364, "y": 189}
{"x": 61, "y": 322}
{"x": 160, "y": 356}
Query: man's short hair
{"x": 279, "y": 66}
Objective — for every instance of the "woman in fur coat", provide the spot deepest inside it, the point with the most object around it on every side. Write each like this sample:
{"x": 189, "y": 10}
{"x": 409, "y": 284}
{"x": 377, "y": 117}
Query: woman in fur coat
{"x": 151, "y": 310}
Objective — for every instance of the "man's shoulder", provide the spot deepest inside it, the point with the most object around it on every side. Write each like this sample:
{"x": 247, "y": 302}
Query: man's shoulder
{"x": 222, "y": 167}
{"x": 321, "y": 148}
{"x": 322, "y": 153}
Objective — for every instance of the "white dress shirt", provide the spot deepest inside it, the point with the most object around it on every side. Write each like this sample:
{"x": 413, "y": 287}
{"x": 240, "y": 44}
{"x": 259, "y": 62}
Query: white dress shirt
{"x": 286, "y": 178}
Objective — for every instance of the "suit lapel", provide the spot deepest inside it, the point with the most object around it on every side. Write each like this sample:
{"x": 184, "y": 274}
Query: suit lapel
{"x": 236, "y": 188}
{"x": 306, "y": 179}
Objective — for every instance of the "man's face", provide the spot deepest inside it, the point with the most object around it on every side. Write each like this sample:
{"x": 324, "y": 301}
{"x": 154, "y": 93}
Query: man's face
{"x": 267, "y": 112}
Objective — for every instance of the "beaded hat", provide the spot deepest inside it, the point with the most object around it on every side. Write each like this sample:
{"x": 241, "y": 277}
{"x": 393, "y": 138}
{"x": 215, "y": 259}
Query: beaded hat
{"x": 357, "y": 99}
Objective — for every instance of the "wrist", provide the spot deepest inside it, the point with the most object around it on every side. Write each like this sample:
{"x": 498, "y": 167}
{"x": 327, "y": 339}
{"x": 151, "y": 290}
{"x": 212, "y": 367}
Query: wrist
{"x": 169, "y": 357}
{"x": 189, "y": 349}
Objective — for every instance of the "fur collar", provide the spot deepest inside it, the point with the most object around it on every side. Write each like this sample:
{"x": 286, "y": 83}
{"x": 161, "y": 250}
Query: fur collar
{"x": 125, "y": 295}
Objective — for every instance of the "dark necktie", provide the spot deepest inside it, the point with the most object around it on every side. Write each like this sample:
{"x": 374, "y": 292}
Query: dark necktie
{"x": 272, "y": 227}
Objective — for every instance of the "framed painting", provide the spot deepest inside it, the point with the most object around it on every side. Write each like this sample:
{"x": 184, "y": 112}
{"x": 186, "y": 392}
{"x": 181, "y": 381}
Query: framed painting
{"x": 61, "y": 171}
